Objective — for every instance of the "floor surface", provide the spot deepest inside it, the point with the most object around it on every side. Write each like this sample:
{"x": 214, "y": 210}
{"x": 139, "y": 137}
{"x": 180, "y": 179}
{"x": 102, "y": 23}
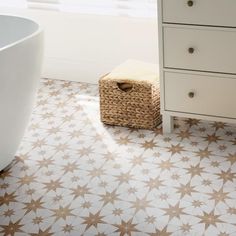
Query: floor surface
{"x": 74, "y": 176}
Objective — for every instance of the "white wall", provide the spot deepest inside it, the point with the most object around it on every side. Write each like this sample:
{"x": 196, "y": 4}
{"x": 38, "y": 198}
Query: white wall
{"x": 84, "y": 47}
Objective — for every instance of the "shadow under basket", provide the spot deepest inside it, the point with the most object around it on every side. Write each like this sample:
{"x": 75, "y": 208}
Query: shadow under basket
{"x": 130, "y": 103}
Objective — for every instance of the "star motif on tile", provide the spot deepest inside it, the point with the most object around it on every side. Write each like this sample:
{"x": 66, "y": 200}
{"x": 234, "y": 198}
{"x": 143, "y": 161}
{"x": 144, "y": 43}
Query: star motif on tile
{"x": 175, "y": 149}
{"x": 222, "y": 148}
{"x": 93, "y": 220}
{"x": 99, "y": 137}
{"x": 101, "y": 234}
{"x": 203, "y": 153}
{"x": 80, "y": 191}
{"x": 22, "y": 158}
{"x": 126, "y": 228}
{"x": 70, "y": 167}
{"x": 62, "y": 212}
{"x": 76, "y": 133}
{"x": 37, "y": 220}
{"x": 209, "y": 219}
{"x": 117, "y": 212}
{"x": 45, "y": 162}
{"x": 54, "y": 130}
{"x": 66, "y": 84}
{"x": 27, "y": 179}
{"x": 42, "y": 102}
{"x": 137, "y": 161}
{"x": 78, "y": 108}
{"x": 109, "y": 197}
{"x": 45, "y": 232}
{"x": 47, "y": 115}
{"x": 12, "y": 228}
{"x": 6, "y": 199}
{"x": 223, "y": 234}
{"x": 68, "y": 118}
{"x": 53, "y": 185}
{"x": 186, "y": 228}
{"x": 48, "y": 82}
{"x": 218, "y": 125}
{"x": 109, "y": 156}
{"x": 212, "y": 138}
{"x": 166, "y": 165}
{"x": 219, "y": 196}
{"x": 163, "y": 232}
{"x": 158, "y": 131}
{"x": 174, "y": 211}
{"x": 4, "y": 186}
{"x": 185, "y": 189}
{"x": 195, "y": 170}
{"x": 68, "y": 228}
{"x": 163, "y": 196}
{"x": 185, "y": 159}
{"x": 9, "y": 212}
{"x": 232, "y": 210}
{"x": 154, "y": 183}
{"x": 34, "y": 126}
{"x": 33, "y": 205}
{"x": 86, "y": 205}
{"x": 206, "y": 182}
{"x": 39, "y": 143}
{"x": 231, "y": 158}
{"x": 57, "y": 198}
{"x": 140, "y": 204}
{"x": 167, "y": 139}
{"x": 215, "y": 163}
{"x": 150, "y": 219}
{"x": 96, "y": 172}
{"x": 141, "y": 135}
{"x": 6, "y": 173}
{"x": 103, "y": 184}
{"x": 123, "y": 140}
{"x": 184, "y": 135}
{"x": 228, "y": 175}
{"x": 85, "y": 151}
{"x": 202, "y": 129}
{"x": 62, "y": 147}
{"x": 175, "y": 176}
{"x": 124, "y": 177}
{"x": 149, "y": 145}
{"x": 192, "y": 122}
{"x": 234, "y": 141}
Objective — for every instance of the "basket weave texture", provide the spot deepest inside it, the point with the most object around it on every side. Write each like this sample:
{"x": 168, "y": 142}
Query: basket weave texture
{"x": 137, "y": 106}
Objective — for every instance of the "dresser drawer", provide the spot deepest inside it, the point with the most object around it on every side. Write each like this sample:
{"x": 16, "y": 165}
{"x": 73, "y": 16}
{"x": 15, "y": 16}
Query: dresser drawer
{"x": 200, "y": 94}
{"x": 200, "y": 48}
{"x": 202, "y": 12}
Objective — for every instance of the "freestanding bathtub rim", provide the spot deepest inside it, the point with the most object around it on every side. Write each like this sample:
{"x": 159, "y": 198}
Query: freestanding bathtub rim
{"x": 38, "y": 31}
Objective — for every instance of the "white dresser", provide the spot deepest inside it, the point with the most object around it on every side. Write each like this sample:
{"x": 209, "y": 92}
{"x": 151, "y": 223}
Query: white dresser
{"x": 197, "y": 47}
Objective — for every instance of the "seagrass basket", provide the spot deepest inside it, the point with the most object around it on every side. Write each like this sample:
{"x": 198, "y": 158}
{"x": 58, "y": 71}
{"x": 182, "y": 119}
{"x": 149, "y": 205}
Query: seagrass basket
{"x": 128, "y": 102}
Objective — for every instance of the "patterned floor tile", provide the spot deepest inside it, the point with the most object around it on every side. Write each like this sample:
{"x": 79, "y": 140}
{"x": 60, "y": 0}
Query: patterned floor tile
{"x": 73, "y": 175}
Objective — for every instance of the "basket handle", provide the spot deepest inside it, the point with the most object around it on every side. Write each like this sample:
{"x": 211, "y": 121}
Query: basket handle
{"x": 125, "y": 87}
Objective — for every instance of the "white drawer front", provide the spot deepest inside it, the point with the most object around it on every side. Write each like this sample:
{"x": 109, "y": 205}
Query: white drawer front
{"x": 214, "y": 50}
{"x": 199, "y": 94}
{"x": 202, "y": 12}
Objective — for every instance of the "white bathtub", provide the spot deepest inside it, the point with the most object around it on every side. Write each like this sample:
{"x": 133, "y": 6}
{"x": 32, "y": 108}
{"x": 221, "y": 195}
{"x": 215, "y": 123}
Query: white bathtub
{"x": 21, "y": 48}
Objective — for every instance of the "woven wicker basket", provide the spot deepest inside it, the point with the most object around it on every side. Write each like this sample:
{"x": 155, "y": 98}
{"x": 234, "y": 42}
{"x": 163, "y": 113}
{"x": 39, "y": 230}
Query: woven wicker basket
{"x": 129, "y": 103}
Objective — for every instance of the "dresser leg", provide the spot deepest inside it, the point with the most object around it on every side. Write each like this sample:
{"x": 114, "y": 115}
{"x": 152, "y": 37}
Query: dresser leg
{"x": 167, "y": 124}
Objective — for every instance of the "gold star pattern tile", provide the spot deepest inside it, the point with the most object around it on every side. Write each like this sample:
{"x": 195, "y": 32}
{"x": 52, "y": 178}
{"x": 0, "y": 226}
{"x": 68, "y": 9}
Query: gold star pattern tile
{"x": 73, "y": 175}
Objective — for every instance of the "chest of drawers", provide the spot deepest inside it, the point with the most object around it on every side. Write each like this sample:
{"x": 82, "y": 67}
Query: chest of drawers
{"x": 197, "y": 51}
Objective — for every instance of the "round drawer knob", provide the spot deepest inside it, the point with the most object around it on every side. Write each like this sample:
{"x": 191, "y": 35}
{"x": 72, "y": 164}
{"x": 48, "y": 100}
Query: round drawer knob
{"x": 190, "y": 3}
{"x": 191, "y": 50}
{"x": 191, "y": 94}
